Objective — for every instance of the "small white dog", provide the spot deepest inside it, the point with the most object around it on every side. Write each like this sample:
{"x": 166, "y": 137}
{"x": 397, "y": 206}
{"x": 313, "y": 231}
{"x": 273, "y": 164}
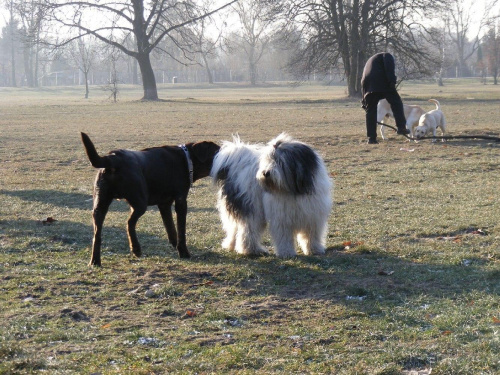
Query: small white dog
{"x": 285, "y": 184}
{"x": 412, "y": 114}
{"x": 430, "y": 121}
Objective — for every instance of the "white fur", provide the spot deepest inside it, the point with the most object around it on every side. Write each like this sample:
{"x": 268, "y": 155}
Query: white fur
{"x": 255, "y": 179}
{"x": 430, "y": 121}
{"x": 412, "y": 114}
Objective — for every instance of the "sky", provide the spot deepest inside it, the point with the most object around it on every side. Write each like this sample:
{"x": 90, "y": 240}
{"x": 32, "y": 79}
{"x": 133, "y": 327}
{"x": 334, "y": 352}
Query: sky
{"x": 478, "y": 5}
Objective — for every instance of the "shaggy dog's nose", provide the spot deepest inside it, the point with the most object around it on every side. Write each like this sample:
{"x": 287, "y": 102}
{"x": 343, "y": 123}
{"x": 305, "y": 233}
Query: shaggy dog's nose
{"x": 266, "y": 174}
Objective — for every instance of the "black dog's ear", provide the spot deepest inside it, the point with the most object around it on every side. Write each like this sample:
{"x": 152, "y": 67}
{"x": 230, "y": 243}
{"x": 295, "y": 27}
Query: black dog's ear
{"x": 204, "y": 151}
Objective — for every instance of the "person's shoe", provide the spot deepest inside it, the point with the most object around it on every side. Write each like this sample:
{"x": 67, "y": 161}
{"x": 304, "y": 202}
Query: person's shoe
{"x": 372, "y": 141}
{"x": 403, "y": 131}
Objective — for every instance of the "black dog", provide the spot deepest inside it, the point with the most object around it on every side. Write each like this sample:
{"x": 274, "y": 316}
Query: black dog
{"x": 154, "y": 176}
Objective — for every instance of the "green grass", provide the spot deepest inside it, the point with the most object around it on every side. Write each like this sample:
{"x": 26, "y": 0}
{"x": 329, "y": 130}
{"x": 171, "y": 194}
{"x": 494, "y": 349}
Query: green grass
{"x": 410, "y": 281}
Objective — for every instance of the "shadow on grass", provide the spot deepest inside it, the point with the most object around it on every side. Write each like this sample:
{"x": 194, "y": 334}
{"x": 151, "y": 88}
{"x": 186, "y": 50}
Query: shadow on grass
{"x": 362, "y": 280}
{"x": 53, "y": 197}
{"x": 61, "y": 235}
{"x": 343, "y": 276}
{"x": 76, "y": 200}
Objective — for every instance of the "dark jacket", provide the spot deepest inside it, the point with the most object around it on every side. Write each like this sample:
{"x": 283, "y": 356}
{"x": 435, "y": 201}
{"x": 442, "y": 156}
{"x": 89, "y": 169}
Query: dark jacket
{"x": 378, "y": 74}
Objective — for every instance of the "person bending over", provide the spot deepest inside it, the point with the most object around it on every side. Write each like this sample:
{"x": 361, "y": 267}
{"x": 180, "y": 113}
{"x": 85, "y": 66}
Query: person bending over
{"x": 379, "y": 82}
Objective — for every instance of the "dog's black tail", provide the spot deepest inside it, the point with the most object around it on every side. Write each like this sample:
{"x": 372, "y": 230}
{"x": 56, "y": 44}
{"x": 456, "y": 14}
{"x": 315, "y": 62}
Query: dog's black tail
{"x": 96, "y": 160}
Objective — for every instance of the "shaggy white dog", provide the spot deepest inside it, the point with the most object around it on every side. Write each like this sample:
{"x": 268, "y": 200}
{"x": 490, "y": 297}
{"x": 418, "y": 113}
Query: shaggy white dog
{"x": 285, "y": 184}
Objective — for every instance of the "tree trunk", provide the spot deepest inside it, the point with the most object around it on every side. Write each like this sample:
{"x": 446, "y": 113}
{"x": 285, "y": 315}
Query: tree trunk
{"x": 12, "y": 46}
{"x": 13, "y": 62}
{"x": 210, "y": 76}
{"x": 135, "y": 81}
{"x": 36, "y": 62}
{"x": 253, "y": 74}
{"x": 143, "y": 51}
{"x": 28, "y": 66}
{"x": 351, "y": 85}
{"x": 209, "y": 71}
{"x": 353, "y": 49}
{"x": 349, "y": 57}
{"x": 148, "y": 77}
{"x": 37, "y": 56}
{"x": 252, "y": 67}
{"x": 86, "y": 76}
{"x": 363, "y": 43}
{"x": 441, "y": 65}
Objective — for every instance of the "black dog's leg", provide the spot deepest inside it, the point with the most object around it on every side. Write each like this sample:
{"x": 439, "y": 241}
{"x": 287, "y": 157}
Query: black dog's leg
{"x": 181, "y": 211}
{"x": 101, "y": 206}
{"x": 137, "y": 211}
{"x": 168, "y": 222}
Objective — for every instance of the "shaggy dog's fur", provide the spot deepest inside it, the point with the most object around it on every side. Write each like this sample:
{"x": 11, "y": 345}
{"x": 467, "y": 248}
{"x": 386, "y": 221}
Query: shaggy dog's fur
{"x": 154, "y": 176}
{"x": 285, "y": 184}
{"x": 430, "y": 121}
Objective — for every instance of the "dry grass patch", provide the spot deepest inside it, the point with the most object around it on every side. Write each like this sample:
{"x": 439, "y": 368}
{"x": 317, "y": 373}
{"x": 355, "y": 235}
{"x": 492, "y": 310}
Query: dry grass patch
{"x": 410, "y": 281}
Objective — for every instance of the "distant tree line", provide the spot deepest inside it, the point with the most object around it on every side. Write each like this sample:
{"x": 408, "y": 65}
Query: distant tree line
{"x": 55, "y": 42}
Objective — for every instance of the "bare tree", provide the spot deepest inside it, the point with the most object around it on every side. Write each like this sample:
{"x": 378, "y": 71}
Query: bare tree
{"x": 32, "y": 15}
{"x": 83, "y": 53}
{"x": 147, "y": 22}
{"x": 438, "y": 42}
{"x": 460, "y": 27}
{"x": 492, "y": 47}
{"x": 481, "y": 64}
{"x": 342, "y": 34}
{"x": 113, "y": 55}
{"x": 280, "y": 51}
{"x": 257, "y": 18}
{"x": 12, "y": 33}
{"x": 205, "y": 45}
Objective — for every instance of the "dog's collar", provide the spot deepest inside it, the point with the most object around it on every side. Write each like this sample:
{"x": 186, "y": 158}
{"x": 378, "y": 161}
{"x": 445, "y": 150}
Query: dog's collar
{"x": 190, "y": 163}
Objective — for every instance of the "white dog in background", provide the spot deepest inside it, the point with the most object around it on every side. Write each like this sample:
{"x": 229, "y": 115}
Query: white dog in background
{"x": 284, "y": 184}
{"x": 430, "y": 121}
{"x": 412, "y": 114}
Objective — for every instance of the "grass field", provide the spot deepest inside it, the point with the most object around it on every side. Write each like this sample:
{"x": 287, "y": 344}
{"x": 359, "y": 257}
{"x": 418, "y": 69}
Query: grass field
{"x": 410, "y": 282}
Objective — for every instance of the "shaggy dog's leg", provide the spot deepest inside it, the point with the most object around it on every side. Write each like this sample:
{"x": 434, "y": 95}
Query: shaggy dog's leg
{"x": 231, "y": 228}
{"x": 229, "y": 225}
{"x": 249, "y": 236}
{"x": 311, "y": 232}
{"x": 283, "y": 239}
{"x": 311, "y": 242}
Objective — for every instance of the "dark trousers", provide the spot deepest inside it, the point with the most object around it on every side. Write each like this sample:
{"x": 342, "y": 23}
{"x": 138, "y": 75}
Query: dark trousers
{"x": 371, "y": 101}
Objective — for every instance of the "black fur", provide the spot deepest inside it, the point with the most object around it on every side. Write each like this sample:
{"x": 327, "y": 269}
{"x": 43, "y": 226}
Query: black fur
{"x": 236, "y": 201}
{"x": 154, "y": 176}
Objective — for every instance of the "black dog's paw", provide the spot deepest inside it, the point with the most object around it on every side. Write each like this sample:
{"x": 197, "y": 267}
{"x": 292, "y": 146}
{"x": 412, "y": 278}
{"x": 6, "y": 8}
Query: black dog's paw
{"x": 184, "y": 253}
{"x": 137, "y": 252}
